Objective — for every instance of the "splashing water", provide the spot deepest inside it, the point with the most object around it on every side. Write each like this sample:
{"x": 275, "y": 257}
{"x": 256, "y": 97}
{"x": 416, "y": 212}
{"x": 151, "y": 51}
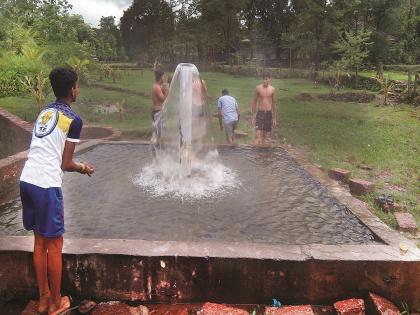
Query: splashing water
{"x": 208, "y": 178}
{"x": 183, "y": 167}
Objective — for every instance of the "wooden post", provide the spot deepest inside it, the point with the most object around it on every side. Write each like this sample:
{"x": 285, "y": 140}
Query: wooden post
{"x": 409, "y": 87}
{"x": 290, "y": 57}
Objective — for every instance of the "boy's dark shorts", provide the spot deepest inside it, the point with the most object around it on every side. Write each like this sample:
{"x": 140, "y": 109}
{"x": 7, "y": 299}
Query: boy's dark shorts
{"x": 43, "y": 210}
{"x": 264, "y": 120}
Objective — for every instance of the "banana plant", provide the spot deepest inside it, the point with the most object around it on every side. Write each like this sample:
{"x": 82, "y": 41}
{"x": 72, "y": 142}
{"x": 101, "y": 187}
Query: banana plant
{"x": 38, "y": 86}
{"x": 386, "y": 86}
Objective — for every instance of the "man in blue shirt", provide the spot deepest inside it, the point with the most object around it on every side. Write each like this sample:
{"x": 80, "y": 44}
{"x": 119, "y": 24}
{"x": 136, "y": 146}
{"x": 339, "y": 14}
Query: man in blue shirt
{"x": 228, "y": 109}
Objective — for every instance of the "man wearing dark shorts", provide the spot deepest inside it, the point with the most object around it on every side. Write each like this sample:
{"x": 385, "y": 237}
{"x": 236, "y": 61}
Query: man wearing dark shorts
{"x": 55, "y": 134}
{"x": 264, "y": 110}
{"x": 264, "y": 121}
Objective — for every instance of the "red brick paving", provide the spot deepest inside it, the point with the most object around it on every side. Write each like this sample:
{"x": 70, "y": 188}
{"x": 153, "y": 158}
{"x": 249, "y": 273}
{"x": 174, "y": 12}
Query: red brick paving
{"x": 350, "y": 307}
{"x": 382, "y": 306}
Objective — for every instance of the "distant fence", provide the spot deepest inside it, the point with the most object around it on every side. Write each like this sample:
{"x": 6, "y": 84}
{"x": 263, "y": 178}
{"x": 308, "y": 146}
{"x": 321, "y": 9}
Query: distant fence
{"x": 321, "y": 76}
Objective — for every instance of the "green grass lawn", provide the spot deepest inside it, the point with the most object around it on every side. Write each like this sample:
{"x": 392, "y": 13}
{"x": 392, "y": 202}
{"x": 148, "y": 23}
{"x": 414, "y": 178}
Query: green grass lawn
{"x": 332, "y": 134}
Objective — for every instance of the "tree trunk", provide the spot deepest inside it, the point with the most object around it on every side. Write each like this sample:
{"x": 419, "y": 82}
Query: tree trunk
{"x": 409, "y": 85}
{"x": 357, "y": 78}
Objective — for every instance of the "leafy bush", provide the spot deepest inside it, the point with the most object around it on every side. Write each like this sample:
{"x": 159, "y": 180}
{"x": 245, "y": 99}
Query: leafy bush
{"x": 10, "y": 84}
{"x": 59, "y": 54}
{"x": 14, "y": 69}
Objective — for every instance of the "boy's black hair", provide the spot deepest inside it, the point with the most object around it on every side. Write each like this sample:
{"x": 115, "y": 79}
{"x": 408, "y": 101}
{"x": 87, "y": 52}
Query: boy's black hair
{"x": 266, "y": 75}
{"x": 62, "y": 80}
{"x": 225, "y": 92}
{"x": 158, "y": 74}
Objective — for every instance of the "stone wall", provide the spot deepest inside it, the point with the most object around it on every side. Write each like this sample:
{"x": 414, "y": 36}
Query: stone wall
{"x": 163, "y": 278}
{"x": 15, "y": 138}
{"x": 15, "y": 134}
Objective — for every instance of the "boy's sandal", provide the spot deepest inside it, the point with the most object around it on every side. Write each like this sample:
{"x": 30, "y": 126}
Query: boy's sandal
{"x": 382, "y": 199}
{"x": 64, "y": 307}
{"x": 44, "y": 302}
{"x": 84, "y": 307}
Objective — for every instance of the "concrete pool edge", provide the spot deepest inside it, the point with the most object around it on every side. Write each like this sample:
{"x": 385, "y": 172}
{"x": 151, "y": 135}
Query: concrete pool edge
{"x": 220, "y": 249}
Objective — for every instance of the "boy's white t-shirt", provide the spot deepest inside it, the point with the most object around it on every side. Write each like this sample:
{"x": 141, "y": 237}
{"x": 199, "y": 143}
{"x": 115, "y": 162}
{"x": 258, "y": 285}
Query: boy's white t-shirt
{"x": 56, "y": 124}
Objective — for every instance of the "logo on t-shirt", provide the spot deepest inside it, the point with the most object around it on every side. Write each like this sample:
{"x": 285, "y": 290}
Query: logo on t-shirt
{"x": 46, "y": 122}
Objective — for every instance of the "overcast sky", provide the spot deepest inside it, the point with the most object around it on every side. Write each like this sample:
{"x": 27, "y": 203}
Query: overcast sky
{"x": 93, "y": 10}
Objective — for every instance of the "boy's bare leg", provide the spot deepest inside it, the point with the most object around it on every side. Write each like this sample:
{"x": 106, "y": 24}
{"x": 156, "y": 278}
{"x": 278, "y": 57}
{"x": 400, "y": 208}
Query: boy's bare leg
{"x": 55, "y": 246}
{"x": 40, "y": 263}
{"x": 258, "y": 137}
{"x": 263, "y": 137}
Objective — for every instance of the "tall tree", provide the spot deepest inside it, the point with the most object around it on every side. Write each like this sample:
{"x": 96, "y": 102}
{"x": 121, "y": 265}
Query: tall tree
{"x": 147, "y": 29}
{"x": 353, "y": 49}
{"x": 269, "y": 21}
{"x": 222, "y": 21}
{"x": 313, "y": 28}
{"x": 108, "y": 39}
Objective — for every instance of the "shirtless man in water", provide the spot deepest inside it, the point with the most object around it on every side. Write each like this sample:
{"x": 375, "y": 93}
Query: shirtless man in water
{"x": 264, "y": 112}
{"x": 158, "y": 96}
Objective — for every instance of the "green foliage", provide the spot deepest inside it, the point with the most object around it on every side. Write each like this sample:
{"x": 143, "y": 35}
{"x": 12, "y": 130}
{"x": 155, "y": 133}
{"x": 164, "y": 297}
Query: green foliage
{"x": 147, "y": 28}
{"x": 38, "y": 86}
{"x": 108, "y": 40}
{"x": 353, "y": 49}
{"x": 15, "y": 68}
{"x": 406, "y": 309}
{"x": 10, "y": 84}
{"x": 386, "y": 86}
{"x": 81, "y": 68}
{"x": 17, "y": 36}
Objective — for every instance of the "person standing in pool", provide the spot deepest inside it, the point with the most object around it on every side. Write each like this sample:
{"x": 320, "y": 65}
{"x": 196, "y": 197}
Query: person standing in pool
{"x": 158, "y": 98}
{"x": 199, "y": 101}
{"x": 199, "y": 97}
{"x": 158, "y": 95}
{"x": 54, "y": 137}
{"x": 264, "y": 112}
{"x": 228, "y": 112}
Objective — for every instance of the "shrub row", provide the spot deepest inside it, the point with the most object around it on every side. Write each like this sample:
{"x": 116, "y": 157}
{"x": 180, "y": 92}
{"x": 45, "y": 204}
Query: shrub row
{"x": 402, "y": 68}
{"x": 285, "y": 73}
{"x": 10, "y": 84}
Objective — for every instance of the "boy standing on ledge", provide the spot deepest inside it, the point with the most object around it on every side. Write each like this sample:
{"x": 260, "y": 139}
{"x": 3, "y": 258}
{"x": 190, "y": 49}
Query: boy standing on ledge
{"x": 55, "y": 134}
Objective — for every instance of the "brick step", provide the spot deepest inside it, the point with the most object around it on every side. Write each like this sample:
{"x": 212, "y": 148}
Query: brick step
{"x": 375, "y": 305}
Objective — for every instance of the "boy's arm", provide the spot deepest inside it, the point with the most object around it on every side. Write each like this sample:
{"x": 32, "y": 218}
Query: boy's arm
{"x": 73, "y": 137}
{"x": 237, "y": 110}
{"x": 68, "y": 165}
{"x": 206, "y": 92}
{"x": 219, "y": 111}
{"x": 274, "y": 108}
